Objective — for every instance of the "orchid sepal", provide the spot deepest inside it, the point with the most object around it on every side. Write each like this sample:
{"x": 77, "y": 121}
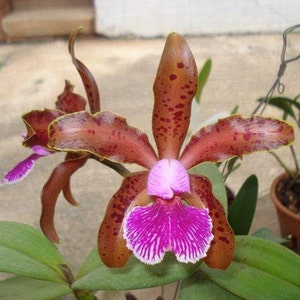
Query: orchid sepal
{"x": 174, "y": 88}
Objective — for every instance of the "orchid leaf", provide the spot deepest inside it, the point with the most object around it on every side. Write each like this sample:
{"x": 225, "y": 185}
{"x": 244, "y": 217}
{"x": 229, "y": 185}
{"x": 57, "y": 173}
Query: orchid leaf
{"x": 134, "y": 275}
{"x": 103, "y": 134}
{"x": 266, "y": 233}
{"x": 236, "y": 136}
{"x": 284, "y": 104}
{"x": 16, "y": 288}
{"x": 265, "y": 270}
{"x": 242, "y": 210}
{"x": 200, "y": 286}
{"x": 174, "y": 88}
{"x": 202, "y": 79}
{"x": 25, "y": 251}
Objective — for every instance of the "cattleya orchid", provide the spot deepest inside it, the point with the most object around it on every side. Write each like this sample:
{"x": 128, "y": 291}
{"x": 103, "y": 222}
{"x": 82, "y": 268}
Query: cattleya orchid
{"x": 166, "y": 208}
{"x": 36, "y": 138}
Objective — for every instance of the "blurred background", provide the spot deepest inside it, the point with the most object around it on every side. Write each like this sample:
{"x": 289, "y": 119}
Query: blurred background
{"x": 144, "y": 18}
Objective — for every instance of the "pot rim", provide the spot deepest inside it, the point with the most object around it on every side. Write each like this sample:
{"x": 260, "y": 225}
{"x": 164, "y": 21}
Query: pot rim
{"x": 277, "y": 202}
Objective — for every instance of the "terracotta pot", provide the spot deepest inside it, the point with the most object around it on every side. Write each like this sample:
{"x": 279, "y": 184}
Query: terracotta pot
{"x": 289, "y": 222}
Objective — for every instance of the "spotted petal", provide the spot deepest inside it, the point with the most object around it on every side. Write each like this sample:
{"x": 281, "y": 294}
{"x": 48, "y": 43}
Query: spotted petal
{"x": 112, "y": 246}
{"x": 168, "y": 226}
{"x": 174, "y": 88}
{"x": 221, "y": 251}
{"x": 105, "y": 135}
{"x": 236, "y": 136}
{"x": 37, "y": 122}
{"x": 68, "y": 101}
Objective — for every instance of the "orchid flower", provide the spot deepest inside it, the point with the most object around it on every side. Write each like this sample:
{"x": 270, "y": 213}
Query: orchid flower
{"x": 36, "y": 138}
{"x": 165, "y": 208}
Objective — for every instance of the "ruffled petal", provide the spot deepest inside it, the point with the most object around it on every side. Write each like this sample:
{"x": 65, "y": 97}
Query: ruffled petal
{"x": 168, "y": 226}
{"x": 111, "y": 244}
{"x": 105, "y": 135}
{"x": 166, "y": 178}
{"x": 221, "y": 251}
{"x": 59, "y": 179}
{"x": 236, "y": 136}
{"x": 174, "y": 88}
{"x": 21, "y": 170}
{"x": 37, "y": 122}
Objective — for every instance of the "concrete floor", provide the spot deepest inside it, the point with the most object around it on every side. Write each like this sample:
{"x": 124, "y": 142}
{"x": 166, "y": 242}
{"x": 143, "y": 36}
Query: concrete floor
{"x": 32, "y": 75}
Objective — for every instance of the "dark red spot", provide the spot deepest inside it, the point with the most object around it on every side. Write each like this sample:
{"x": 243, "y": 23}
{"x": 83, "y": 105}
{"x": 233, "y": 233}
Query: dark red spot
{"x": 221, "y": 229}
{"x": 180, "y": 105}
{"x": 180, "y": 65}
{"x": 173, "y": 77}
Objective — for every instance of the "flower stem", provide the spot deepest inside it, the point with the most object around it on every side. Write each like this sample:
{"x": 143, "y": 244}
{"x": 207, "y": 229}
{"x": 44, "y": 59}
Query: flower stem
{"x": 119, "y": 168}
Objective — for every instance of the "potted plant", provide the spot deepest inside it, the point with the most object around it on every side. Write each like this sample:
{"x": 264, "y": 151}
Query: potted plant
{"x": 285, "y": 188}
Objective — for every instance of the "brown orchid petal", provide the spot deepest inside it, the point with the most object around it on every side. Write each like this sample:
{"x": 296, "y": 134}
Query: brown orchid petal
{"x": 221, "y": 251}
{"x": 58, "y": 180}
{"x": 68, "y": 101}
{"x": 87, "y": 78}
{"x": 111, "y": 244}
{"x": 67, "y": 188}
{"x": 37, "y": 122}
{"x": 174, "y": 88}
{"x": 235, "y": 136}
{"x": 104, "y": 135}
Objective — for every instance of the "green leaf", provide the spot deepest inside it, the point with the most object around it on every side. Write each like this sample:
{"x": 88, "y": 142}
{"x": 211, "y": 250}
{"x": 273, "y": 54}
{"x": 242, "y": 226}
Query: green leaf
{"x": 261, "y": 269}
{"x": 199, "y": 286}
{"x": 202, "y": 79}
{"x": 284, "y": 104}
{"x": 135, "y": 275}
{"x": 251, "y": 283}
{"x": 25, "y": 251}
{"x": 211, "y": 171}
{"x": 16, "y": 288}
{"x": 242, "y": 210}
{"x": 269, "y": 257}
{"x": 266, "y": 233}
{"x": 91, "y": 263}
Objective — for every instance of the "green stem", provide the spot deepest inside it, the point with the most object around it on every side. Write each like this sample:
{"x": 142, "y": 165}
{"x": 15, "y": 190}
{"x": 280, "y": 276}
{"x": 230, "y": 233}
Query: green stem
{"x": 295, "y": 159}
{"x": 282, "y": 164}
{"x": 119, "y": 168}
{"x": 84, "y": 295}
{"x": 79, "y": 294}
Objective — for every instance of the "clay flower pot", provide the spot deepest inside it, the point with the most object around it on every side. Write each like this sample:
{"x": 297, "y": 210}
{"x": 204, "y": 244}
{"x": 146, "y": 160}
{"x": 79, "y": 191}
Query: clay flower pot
{"x": 289, "y": 222}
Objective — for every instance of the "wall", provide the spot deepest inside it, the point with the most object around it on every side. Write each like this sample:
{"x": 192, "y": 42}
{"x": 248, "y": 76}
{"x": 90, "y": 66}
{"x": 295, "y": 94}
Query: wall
{"x": 153, "y": 18}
